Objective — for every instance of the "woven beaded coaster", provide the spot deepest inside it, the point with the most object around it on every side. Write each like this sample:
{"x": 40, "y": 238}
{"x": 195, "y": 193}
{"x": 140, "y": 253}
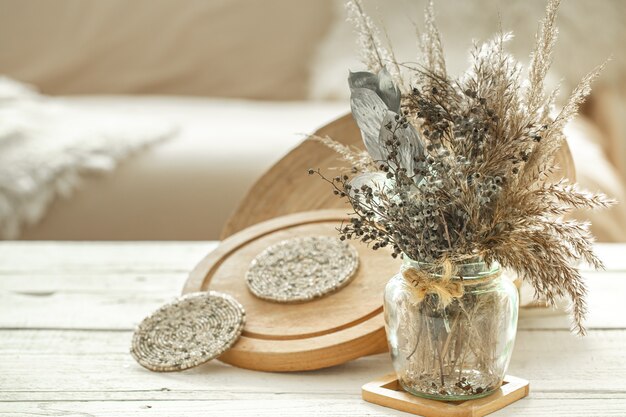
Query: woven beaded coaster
{"x": 302, "y": 269}
{"x": 187, "y": 332}
{"x": 387, "y": 392}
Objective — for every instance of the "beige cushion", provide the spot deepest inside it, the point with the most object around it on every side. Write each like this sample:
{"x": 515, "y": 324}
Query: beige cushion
{"x": 235, "y": 48}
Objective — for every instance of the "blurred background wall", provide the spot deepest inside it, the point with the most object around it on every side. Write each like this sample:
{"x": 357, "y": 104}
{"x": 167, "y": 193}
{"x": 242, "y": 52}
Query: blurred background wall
{"x": 232, "y": 48}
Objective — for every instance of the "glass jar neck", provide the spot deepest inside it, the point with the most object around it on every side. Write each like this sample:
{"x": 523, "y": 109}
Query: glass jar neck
{"x": 475, "y": 268}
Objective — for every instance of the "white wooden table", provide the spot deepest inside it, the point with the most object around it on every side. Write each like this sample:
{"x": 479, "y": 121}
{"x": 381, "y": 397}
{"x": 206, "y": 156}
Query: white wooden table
{"x": 67, "y": 311}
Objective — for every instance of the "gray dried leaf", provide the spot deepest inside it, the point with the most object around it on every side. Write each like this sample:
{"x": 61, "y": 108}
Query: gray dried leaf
{"x": 375, "y": 180}
{"x": 381, "y": 83}
{"x": 368, "y": 110}
{"x": 363, "y": 79}
{"x": 388, "y": 91}
{"x": 411, "y": 145}
{"x": 372, "y": 95}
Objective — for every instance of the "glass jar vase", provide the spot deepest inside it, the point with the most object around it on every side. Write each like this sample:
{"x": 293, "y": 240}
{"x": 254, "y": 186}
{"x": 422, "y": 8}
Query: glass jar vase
{"x": 450, "y": 334}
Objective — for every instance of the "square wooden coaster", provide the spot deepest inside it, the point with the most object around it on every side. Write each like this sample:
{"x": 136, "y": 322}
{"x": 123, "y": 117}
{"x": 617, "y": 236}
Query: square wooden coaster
{"x": 387, "y": 392}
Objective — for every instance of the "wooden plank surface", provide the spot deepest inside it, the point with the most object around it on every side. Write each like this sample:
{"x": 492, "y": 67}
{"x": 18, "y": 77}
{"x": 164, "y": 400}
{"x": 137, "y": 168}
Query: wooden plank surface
{"x": 119, "y": 301}
{"x": 97, "y": 365}
{"x": 328, "y": 406}
{"x": 67, "y": 311}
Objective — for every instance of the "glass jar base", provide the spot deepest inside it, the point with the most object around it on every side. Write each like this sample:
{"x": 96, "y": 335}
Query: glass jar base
{"x": 461, "y": 390}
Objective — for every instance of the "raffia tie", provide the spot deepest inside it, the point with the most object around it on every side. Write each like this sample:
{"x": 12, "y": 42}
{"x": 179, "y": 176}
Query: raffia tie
{"x": 443, "y": 285}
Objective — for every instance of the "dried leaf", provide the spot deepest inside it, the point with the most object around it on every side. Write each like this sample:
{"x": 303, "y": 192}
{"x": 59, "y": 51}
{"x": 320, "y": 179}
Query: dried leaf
{"x": 374, "y": 180}
{"x": 381, "y": 83}
{"x": 369, "y": 110}
{"x": 411, "y": 145}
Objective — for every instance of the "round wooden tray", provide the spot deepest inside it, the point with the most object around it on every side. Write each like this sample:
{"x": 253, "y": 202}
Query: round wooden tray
{"x": 294, "y": 337}
{"x": 286, "y": 188}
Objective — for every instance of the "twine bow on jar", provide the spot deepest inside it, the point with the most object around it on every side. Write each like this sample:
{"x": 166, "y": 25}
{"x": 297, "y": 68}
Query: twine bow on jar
{"x": 423, "y": 282}
{"x": 446, "y": 282}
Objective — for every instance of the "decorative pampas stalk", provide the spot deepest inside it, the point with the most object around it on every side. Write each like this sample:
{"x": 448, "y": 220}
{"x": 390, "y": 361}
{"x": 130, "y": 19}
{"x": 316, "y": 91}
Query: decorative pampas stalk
{"x": 358, "y": 159}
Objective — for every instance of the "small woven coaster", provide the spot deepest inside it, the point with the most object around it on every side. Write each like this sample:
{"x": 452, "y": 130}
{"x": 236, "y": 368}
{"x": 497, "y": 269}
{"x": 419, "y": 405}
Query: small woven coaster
{"x": 187, "y": 332}
{"x": 302, "y": 269}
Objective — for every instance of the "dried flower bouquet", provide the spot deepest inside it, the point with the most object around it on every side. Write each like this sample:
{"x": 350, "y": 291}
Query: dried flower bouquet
{"x": 457, "y": 172}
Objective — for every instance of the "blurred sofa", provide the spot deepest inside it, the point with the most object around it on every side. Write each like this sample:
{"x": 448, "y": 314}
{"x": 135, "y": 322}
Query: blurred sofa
{"x": 186, "y": 187}
{"x": 244, "y": 80}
